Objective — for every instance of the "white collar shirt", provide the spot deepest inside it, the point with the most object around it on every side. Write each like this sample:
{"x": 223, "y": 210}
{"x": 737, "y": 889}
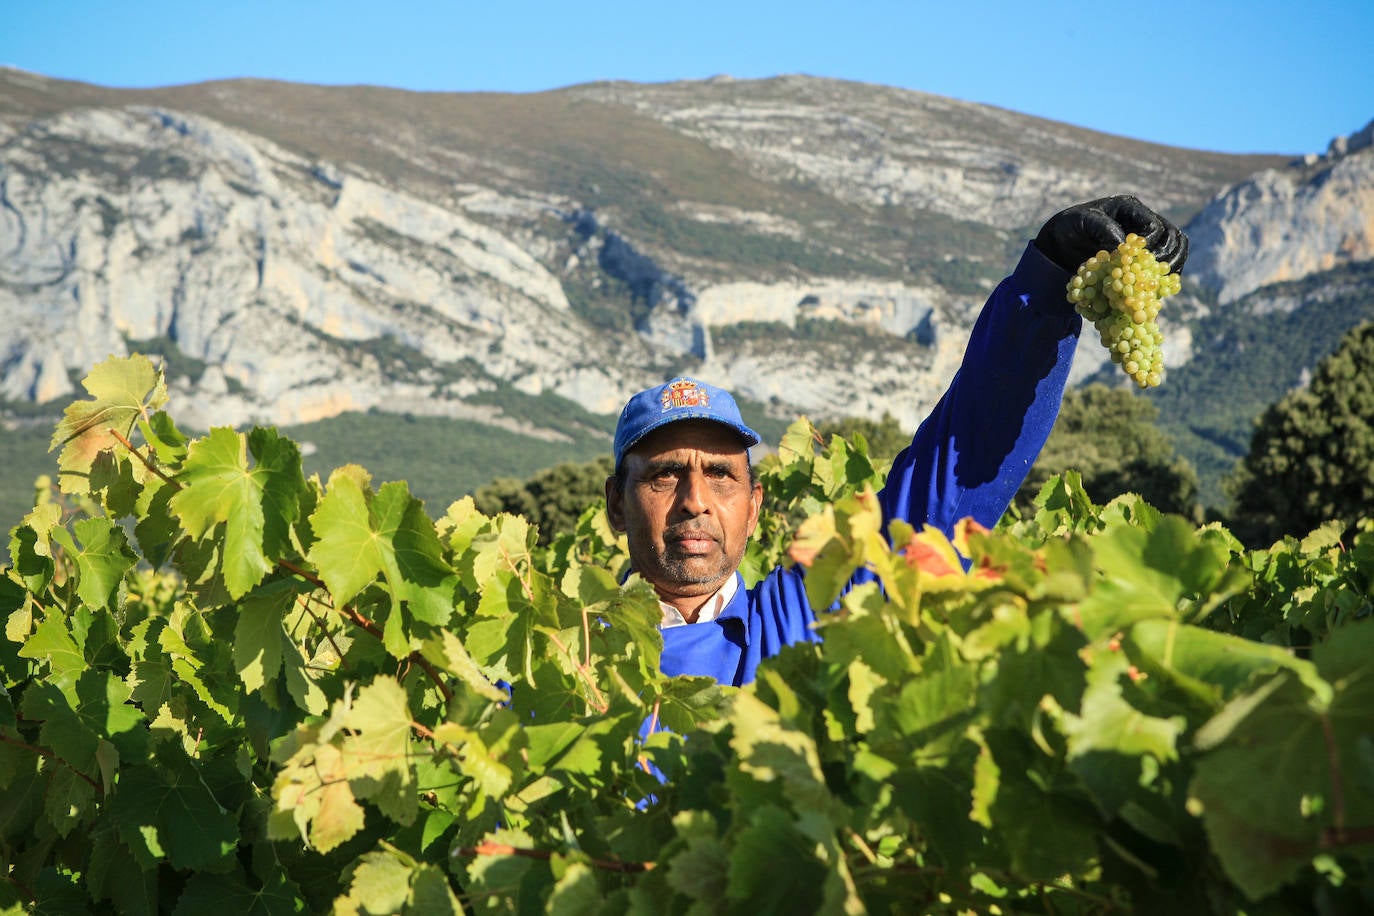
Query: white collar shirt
{"x": 712, "y": 609}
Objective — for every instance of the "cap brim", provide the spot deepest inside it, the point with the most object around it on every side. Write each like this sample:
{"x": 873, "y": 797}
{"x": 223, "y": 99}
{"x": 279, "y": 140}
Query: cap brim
{"x": 748, "y": 437}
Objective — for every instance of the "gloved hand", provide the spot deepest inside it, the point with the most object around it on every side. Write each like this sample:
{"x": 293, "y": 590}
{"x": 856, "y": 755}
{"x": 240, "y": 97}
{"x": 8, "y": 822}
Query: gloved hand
{"x": 1073, "y": 235}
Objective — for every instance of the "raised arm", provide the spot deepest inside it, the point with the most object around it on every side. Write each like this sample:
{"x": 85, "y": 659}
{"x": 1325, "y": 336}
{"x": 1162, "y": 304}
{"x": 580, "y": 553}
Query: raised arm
{"x": 976, "y": 447}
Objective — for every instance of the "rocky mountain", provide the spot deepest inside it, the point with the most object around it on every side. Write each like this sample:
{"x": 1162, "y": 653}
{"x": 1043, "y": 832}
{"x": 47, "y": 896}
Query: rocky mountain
{"x": 298, "y": 252}
{"x": 1285, "y": 223}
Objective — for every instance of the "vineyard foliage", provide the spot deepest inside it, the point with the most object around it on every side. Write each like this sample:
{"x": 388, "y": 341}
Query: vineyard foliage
{"x": 229, "y": 686}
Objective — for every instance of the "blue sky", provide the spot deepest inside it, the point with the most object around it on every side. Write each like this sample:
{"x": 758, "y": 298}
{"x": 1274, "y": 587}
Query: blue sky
{"x": 1257, "y": 76}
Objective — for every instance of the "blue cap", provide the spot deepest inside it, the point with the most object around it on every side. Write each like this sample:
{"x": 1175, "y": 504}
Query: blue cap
{"x": 680, "y": 399}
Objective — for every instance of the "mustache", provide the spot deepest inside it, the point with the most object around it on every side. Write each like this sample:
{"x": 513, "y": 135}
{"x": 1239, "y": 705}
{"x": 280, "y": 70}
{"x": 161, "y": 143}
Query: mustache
{"x": 693, "y": 529}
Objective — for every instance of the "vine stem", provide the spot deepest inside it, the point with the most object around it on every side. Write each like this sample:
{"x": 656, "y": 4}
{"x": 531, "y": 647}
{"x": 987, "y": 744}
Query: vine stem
{"x": 598, "y": 700}
{"x": 583, "y": 668}
{"x": 23, "y": 888}
{"x": 1333, "y": 759}
{"x": 862, "y": 846}
{"x": 352, "y": 615}
{"x": 428, "y": 734}
{"x": 305, "y": 601}
{"x": 586, "y": 638}
{"x": 46, "y": 752}
{"x": 643, "y": 760}
{"x": 143, "y": 458}
{"x": 1336, "y": 837}
{"x": 501, "y": 849}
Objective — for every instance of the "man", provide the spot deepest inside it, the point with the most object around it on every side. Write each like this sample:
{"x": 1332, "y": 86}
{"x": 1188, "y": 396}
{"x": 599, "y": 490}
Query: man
{"x": 685, "y": 496}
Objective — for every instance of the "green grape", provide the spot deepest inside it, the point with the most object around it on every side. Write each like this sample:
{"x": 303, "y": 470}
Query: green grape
{"x": 1120, "y": 292}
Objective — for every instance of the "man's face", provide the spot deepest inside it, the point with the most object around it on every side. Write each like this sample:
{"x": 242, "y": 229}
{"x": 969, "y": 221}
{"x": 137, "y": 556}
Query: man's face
{"x": 688, "y": 507}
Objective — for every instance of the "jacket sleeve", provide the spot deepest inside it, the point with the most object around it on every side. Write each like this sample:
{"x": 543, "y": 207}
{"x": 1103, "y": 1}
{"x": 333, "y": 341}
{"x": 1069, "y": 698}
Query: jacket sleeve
{"x": 976, "y": 447}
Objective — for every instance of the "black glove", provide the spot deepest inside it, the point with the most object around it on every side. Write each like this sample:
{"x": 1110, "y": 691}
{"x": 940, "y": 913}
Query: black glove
{"x": 1072, "y": 236}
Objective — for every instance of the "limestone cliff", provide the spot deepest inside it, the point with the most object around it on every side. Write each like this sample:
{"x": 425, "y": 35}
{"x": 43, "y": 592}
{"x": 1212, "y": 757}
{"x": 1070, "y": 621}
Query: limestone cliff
{"x": 1285, "y": 223}
{"x": 294, "y": 252}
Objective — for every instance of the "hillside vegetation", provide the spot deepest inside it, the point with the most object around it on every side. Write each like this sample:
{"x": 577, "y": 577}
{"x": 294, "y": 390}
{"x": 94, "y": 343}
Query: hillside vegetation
{"x": 402, "y": 262}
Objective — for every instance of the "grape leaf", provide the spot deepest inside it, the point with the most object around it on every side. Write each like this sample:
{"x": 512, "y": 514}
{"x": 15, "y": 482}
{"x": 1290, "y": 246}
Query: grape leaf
{"x": 345, "y": 551}
{"x": 798, "y": 443}
{"x": 424, "y": 579}
{"x": 987, "y": 776}
{"x": 1146, "y": 573}
{"x": 60, "y": 892}
{"x": 1046, "y": 834}
{"x": 258, "y": 635}
{"x": 1107, "y": 722}
{"x": 773, "y": 868}
{"x": 511, "y": 612}
{"x": 699, "y": 872}
{"x": 504, "y": 544}
{"x": 124, "y": 390}
{"x": 377, "y": 754}
{"x": 770, "y": 748}
{"x": 118, "y": 482}
{"x": 381, "y": 884}
{"x": 172, "y": 804}
{"x": 623, "y": 620}
{"x": 498, "y": 877}
{"x": 102, "y": 558}
{"x": 256, "y": 505}
{"x": 842, "y": 537}
{"x": 575, "y": 893}
{"x": 430, "y": 892}
{"x": 104, "y": 712}
{"x": 200, "y": 662}
{"x": 277, "y": 475}
{"x": 301, "y": 683}
{"x": 547, "y": 742}
{"x": 1209, "y": 665}
{"x": 1267, "y": 779}
{"x": 841, "y": 468}
{"x": 31, "y": 546}
{"x": 1062, "y": 505}
{"x": 361, "y": 536}
{"x": 460, "y": 525}
{"x": 313, "y": 795}
{"x": 1049, "y": 665}
{"x": 157, "y": 530}
{"x": 936, "y": 706}
{"x": 233, "y": 893}
{"x": 53, "y": 642}
{"x": 69, "y": 800}
{"x": 114, "y": 873}
{"x": 446, "y": 652}
{"x": 866, "y": 632}
{"x": 475, "y": 759}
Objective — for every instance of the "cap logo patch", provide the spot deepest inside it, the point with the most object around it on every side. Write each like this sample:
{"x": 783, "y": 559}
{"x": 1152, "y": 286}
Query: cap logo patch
{"x": 685, "y": 393}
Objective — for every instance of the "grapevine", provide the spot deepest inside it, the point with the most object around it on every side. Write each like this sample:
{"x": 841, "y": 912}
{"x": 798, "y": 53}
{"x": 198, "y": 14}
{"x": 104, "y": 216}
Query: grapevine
{"x": 1120, "y": 293}
{"x": 227, "y": 686}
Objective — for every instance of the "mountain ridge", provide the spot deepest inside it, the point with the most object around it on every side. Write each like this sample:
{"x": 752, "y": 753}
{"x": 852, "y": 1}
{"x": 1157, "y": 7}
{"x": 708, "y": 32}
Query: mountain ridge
{"x": 312, "y": 251}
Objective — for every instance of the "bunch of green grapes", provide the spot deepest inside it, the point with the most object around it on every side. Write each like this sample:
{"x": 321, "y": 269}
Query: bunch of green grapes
{"x": 1120, "y": 292}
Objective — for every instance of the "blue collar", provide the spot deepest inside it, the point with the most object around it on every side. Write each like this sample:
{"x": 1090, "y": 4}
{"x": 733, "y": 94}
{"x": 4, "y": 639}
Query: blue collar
{"x": 738, "y": 609}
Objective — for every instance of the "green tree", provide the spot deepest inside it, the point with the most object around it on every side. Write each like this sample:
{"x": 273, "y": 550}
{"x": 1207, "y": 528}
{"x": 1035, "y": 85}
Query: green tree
{"x": 885, "y": 437}
{"x": 1311, "y": 458}
{"x": 553, "y": 499}
{"x": 1110, "y": 436}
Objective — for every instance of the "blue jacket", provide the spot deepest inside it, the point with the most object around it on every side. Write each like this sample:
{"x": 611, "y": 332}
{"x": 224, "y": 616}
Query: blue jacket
{"x": 967, "y": 459}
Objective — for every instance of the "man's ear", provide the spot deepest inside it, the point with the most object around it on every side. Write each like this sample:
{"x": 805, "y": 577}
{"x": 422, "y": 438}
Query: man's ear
{"x": 755, "y": 507}
{"x": 615, "y": 505}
